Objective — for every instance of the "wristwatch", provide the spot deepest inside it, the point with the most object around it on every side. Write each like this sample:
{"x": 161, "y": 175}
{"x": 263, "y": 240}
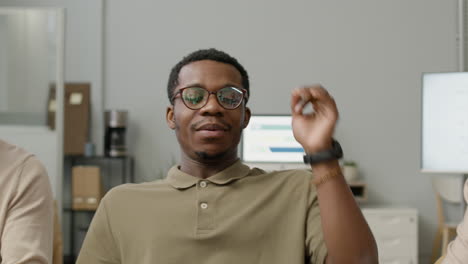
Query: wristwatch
{"x": 330, "y": 154}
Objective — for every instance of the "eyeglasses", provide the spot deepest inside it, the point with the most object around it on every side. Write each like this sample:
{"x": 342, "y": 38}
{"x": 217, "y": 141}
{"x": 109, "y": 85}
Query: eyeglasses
{"x": 196, "y": 97}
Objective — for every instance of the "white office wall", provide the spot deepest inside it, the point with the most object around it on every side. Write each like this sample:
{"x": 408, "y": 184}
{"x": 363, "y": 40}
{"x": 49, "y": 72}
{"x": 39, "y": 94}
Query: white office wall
{"x": 83, "y": 51}
{"x": 84, "y": 57}
{"x": 369, "y": 54}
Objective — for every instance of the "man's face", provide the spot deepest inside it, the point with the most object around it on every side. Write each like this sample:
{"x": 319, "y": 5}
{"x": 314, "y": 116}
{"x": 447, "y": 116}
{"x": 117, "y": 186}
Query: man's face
{"x": 212, "y": 131}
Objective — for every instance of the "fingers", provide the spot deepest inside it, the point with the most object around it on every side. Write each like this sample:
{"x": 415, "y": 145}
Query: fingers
{"x": 315, "y": 94}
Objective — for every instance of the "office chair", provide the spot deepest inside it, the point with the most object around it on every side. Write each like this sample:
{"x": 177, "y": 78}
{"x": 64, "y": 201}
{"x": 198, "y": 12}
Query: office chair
{"x": 446, "y": 230}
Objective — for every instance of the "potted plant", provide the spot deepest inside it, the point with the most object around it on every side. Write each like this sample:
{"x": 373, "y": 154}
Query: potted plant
{"x": 350, "y": 171}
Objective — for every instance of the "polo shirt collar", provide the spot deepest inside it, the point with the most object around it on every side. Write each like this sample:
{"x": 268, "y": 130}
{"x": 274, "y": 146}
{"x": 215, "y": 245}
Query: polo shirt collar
{"x": 181, "y": 180}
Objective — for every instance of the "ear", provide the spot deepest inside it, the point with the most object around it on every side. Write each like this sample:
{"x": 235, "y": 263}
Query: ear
{"x": 170, "y": 117}
{"x": 247, "y": 115}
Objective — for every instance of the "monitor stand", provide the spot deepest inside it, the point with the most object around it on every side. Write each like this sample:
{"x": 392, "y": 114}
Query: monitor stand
{"x": 463, "y": 202}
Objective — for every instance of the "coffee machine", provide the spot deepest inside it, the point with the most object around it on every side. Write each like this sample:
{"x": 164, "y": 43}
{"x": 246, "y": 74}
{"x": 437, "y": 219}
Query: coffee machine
{"x": 114, "y": 139}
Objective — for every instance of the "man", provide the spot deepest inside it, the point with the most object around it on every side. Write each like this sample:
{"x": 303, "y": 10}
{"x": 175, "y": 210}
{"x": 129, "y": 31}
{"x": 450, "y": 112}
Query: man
{"x": 26, "y": 208}
{"x": 211, "y": 208}
{"x": 457, "y": 250}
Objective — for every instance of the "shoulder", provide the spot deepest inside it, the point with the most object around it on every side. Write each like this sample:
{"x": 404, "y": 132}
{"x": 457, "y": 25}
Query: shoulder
{"x": 133, "y": 191}
{"x": 295, "y": 175}
{"x": 12, "y": 156}
{"x": 20, "y": 166}
{"x": 296, "y": 179}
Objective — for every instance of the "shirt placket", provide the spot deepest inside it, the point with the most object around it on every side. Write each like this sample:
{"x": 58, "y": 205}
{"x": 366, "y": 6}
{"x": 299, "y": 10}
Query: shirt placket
{"x": 205, "y": 207}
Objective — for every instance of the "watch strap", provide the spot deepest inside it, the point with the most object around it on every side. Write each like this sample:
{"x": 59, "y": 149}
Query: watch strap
{"x": 330, "y": 154}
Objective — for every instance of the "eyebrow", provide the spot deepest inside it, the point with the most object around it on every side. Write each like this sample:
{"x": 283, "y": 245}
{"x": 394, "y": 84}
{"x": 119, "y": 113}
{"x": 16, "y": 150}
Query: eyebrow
{"x": 201, "y": 86}
{"x": 192, "y": 85}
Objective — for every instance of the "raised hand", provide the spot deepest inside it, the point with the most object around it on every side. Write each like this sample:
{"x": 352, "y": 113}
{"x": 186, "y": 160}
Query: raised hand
{"x": 314, "y": 131}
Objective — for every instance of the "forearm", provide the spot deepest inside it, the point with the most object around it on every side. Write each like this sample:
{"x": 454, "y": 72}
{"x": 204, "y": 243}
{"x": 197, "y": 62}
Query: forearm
{"x": 346, "y": 233}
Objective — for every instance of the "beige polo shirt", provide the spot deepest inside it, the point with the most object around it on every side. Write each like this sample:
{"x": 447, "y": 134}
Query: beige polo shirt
{"x": 26, "y": 208}
{"x": 239, "y": 215}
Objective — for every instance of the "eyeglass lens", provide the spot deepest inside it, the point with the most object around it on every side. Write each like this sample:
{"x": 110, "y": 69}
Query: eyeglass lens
{"x": 196, "y": 97}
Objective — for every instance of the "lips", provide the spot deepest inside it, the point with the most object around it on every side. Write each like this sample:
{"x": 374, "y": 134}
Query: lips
{"x": 211, "y": 131}
{"x": 212, "y": 127}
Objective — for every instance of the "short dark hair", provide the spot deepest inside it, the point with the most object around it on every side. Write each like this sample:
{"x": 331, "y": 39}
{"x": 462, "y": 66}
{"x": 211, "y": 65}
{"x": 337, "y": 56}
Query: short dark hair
{"x": 205, "y": 54}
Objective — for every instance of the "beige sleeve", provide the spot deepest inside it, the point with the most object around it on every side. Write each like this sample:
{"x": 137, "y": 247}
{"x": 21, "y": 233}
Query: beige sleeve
{"x": 28, "y": 230}
{"x": 457, "y": 251}
{"x": 99, "y": 245}
{"x": 315, "y": 244}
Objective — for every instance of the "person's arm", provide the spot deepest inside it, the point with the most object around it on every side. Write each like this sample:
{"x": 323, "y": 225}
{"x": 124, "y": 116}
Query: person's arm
{"x": 457, "y": 251}
{"x": 28, "y": 229}
{"x": 346, "y": 233}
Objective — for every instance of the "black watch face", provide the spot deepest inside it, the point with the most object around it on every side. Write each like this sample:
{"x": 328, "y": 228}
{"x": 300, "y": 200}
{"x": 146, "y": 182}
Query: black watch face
{"x": 337, "y": 150}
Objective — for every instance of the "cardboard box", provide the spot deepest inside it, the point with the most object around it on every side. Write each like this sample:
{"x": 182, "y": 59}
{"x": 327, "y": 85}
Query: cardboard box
{"x": 86, "y": 187}
{"x": 76, "y": 116}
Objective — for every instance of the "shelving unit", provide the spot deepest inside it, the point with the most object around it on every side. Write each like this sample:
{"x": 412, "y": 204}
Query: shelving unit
{"x": 359, "y": 190}
{"x": 114, "y": 171}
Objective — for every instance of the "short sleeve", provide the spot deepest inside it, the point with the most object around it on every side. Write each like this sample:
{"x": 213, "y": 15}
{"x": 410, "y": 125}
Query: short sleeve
{"x": 99, "y": 246}
{"x": 28, "y": 229}
{"x": 315, "y": 244}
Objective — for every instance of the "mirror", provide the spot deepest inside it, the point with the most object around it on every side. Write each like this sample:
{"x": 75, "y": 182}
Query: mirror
{"x": 28, "y": 64}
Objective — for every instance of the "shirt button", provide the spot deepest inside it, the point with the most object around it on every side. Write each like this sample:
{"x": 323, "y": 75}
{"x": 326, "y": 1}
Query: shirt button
{"x": 203, "y": 184}
{"x": 204, "y": 205}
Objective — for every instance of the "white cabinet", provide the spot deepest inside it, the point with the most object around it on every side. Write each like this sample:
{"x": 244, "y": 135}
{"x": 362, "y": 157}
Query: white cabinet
{"x": 396, "y": 233}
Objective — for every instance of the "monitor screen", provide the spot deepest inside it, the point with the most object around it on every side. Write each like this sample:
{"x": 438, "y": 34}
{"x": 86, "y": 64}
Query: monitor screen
{"x": 445, "y": 122}
{"x": 269, "y": 138}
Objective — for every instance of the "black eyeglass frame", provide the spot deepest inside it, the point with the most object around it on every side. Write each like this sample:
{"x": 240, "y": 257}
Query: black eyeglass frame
{"x": 245, "y": 96}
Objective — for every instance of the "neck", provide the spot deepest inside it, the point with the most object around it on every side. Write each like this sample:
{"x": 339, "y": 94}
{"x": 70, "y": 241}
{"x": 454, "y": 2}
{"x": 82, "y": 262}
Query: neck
{"x": 203, "y": 167}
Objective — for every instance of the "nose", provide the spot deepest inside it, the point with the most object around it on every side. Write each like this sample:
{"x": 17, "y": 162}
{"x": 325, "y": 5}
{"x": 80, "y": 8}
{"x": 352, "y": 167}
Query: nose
{"x": 212, "y": 106}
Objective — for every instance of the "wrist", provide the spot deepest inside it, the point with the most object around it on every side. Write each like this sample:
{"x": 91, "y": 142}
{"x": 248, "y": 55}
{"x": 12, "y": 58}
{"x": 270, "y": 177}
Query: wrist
{"x": 333, "y": 152}
{"x": 326, "y": 166}
{"x": 322, "y": 147}
{"x": 325, "y": 172}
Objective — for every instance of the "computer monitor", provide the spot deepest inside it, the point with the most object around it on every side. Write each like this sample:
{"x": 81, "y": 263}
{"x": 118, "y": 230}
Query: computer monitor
{"x": 444, "y": 146}
{"x": 269, "y": 139}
